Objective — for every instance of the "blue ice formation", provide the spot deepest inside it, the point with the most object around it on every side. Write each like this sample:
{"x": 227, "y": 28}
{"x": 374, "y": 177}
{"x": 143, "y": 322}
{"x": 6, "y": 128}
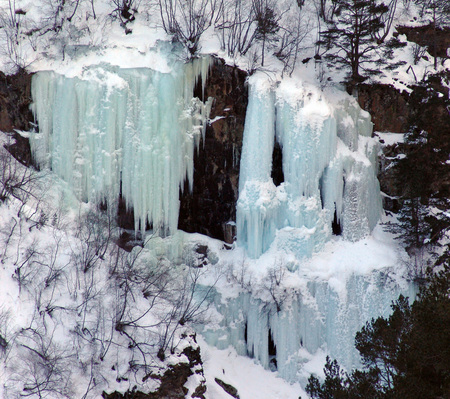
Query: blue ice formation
{"x": 128, "y": 131}
{"x": 329, "y": 165}
{"x": 315, "y": 317}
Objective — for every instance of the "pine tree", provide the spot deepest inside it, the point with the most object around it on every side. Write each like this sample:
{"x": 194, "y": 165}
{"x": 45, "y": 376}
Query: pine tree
{"x": 423, "y": 172}
{"x": 266, "y": 23}
{"x": 350, "y": 40}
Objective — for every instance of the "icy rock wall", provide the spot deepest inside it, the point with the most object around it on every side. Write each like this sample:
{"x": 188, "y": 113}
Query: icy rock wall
{"x": 328, "y": 163}
{"x": 118, "y": 131}
{"x": 317, "y": 317}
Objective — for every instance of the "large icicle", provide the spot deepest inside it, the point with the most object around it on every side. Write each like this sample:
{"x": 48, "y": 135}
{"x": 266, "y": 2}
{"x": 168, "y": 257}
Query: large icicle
{"x": 328, "y": 165}
{"x": 257, "y": 206}
{"x": 114, "y": 129}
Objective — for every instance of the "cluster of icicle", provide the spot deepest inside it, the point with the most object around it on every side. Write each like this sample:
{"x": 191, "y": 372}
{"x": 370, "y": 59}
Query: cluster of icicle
{"x": 129, "y": 132}
{"x": 133, "y": 132}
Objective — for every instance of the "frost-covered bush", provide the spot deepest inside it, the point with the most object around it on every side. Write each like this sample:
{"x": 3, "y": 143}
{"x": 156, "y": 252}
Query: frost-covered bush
{"x": 92, "y": 317}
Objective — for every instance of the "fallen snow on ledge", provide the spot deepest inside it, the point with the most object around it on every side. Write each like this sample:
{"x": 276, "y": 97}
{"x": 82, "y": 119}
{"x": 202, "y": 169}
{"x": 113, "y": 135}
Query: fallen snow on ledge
{"x": 250, "y": 379}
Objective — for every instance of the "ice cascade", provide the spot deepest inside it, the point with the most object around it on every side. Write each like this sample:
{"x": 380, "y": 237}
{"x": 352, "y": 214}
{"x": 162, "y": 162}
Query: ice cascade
{"x": 128, "y": 132}
{"x": 329, "y": 168}
{"x": 316, "y": 317}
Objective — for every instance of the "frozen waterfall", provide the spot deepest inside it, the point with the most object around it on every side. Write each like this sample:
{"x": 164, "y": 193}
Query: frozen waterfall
{"x": 133, "y": 132}
{"x": 123, "y": 131}
{"x": 329, "y": 168}
{"x": 313, "y": 318}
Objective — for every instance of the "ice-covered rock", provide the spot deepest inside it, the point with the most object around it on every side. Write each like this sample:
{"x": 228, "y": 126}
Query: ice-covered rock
{"x": 313, "y": 317}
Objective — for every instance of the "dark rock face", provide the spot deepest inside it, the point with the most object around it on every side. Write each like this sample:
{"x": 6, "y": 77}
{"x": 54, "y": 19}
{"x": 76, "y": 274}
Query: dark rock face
{"x": 15, "y": 100}
{"x": 20, "y": 149}
{"x": 15, "y": 113}
{"x": 434, "y": 40}
{"x": 172, "y": 382}
{"x": 387, "y": 106}
{"x": 277, "y": 164}
{"x": 211, "y": 208}
{"x": 393, "y": 111}
{"x": 387, "y": 178}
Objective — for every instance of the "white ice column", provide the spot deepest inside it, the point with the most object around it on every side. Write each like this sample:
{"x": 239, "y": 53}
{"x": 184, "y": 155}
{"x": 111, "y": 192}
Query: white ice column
{"x": 258, "y": 205}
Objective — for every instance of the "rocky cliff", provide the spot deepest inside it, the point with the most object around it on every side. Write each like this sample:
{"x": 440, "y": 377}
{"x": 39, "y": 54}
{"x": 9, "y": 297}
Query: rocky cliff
{"x": 211, "y": 208}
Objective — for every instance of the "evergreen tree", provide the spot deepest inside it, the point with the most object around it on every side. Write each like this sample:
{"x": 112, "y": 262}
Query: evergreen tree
{"x": 350, "y": 40}
{"x": 266, "y": 23}
{"x": 423, "y": 172}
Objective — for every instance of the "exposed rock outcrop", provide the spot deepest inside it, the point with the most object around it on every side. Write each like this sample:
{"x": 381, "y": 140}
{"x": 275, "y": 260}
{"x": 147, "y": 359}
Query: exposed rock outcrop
{"x": 15, "y": 113}
{"x": 15, "y": 100}
{"x": 211, "y": 208}
{"x": 388, "y": 107}
{"x": 426, "y": 36}
{"x": 229, "y": 389}
{"x": 172, "y": 382}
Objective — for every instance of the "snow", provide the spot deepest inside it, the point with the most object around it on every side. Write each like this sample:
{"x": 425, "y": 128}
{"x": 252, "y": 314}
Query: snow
{"x": 110, "y": 105}
{"x": 250, "y": 379}
{"x": 387, "y": 139}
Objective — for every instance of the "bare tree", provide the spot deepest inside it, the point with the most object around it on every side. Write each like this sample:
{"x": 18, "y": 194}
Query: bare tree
{"x": 12, "y": 29}
{"x": 326, "y": 9}
{"x": 189, "y": 304}
{"x": 125, "y": 11}
{"x": 292, "y": 33}
{"x": 240, "y": 274}
{"x": 95, "y": 232}
{"x": 267, "y": 23}
{"x": 26, "y": 267}
{"x": 387, "y": 20}
{"x": 16, "y": 180}
{"x": 42, "y": 369}
{"x": 187, "y": 20}
{"x": 5, "y": 321}
{"x": 274, "y": 284}
{"x": 236, "y": 26}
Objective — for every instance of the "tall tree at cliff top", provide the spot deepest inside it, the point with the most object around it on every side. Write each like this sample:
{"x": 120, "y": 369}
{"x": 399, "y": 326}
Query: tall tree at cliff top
{"x": 350, "y": 39}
